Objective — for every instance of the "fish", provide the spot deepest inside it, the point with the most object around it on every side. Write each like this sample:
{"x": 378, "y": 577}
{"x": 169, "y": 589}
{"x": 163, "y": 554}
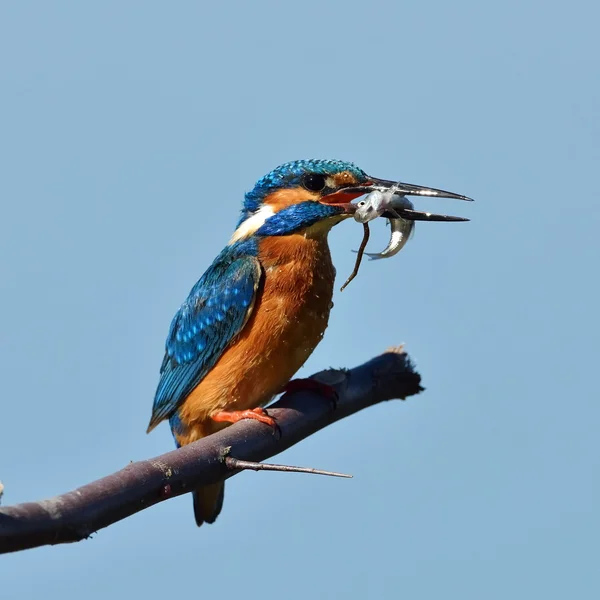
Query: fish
{"x": 375, "y": 204}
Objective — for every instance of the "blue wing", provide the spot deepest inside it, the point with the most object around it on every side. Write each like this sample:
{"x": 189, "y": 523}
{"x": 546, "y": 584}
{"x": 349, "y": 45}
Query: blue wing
{"x": 215, "y": 311}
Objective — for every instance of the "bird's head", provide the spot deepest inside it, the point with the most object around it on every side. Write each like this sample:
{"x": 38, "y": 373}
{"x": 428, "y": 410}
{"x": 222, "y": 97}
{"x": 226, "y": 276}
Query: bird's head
{"x": 307, "y": 193}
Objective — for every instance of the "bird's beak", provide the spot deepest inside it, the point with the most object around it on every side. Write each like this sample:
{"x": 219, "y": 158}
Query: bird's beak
{"x": 349, "y": 193}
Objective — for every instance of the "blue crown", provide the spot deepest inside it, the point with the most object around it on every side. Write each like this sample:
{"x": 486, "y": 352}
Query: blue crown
{"x": 290, "y": 175}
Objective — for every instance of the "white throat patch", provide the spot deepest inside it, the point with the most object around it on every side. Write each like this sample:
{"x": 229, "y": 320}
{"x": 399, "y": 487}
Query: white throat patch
{"x": 252, "y": 224}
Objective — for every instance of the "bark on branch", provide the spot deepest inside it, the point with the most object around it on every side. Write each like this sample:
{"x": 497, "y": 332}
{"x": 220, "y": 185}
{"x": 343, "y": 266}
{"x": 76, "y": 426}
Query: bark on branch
{"x": 75, "y": 515}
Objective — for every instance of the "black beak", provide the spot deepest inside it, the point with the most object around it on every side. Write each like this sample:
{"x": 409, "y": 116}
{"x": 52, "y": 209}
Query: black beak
{"x": 408, "y": 189}
{"x": 415, "y": 215}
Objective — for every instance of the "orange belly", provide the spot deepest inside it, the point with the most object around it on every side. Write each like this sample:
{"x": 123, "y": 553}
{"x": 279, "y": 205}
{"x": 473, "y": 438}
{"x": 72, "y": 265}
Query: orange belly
{"x": 288, "y": 321}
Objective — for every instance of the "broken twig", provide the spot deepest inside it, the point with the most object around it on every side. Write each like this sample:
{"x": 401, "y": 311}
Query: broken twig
{"x": 234, "y": 463}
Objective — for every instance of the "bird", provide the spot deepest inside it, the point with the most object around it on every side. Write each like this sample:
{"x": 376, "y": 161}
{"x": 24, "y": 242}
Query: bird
{"x": 260, "y": 309}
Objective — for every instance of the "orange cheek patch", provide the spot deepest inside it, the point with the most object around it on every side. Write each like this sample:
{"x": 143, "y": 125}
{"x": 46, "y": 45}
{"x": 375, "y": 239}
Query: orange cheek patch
{"x": 284, "y": 198}
{"x": 344, "y": 178}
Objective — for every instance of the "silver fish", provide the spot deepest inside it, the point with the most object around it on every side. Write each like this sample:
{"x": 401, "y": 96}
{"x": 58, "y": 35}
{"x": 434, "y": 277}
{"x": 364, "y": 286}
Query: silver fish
{"x": 374, "y": 205}
{"x": 401, "y": 230}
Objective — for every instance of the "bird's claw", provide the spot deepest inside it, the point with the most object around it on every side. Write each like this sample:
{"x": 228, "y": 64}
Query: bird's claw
{"x": 255, "y": 414}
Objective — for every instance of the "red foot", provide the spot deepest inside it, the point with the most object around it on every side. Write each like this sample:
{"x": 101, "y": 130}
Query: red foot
{"x": 312, "y": 385}
{"x": 233, "y": 416}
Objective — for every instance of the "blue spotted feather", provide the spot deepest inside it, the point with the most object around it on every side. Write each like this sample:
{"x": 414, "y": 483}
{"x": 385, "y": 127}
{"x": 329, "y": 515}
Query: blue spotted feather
{"x": 215, "y": 311}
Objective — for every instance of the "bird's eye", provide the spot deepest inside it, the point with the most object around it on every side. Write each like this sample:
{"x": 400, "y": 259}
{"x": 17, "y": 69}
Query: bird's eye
{"x": 313, "y": 182}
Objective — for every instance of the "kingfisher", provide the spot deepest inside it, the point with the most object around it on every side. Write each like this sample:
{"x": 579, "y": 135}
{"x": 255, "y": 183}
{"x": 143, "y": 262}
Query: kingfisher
{"x": 262, "y": 306}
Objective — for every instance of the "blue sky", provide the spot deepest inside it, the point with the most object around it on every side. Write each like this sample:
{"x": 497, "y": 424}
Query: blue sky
{"x": 130, "y": 132}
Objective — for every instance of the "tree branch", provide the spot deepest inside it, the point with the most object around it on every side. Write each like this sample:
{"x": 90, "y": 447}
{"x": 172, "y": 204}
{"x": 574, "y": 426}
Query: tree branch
{"x": 75, "y": 515}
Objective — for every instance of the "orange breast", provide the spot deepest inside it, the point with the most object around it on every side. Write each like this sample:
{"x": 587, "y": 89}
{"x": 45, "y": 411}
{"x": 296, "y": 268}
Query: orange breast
{"x": 289, "y": 318}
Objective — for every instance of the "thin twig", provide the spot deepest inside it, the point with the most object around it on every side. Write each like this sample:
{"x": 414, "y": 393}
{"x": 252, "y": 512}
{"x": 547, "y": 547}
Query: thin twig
{"x": 359, "y": 255}
{"x": 234, "y": 463}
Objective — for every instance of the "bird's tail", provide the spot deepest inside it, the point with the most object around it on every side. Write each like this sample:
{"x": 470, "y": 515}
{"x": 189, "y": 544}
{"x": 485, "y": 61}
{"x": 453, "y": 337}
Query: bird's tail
{"x": 208, "y": 502}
